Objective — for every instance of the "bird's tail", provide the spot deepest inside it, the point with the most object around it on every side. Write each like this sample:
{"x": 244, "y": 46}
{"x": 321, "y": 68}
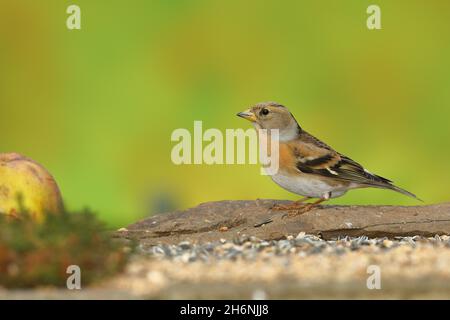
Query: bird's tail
{"x": 402, "y": 191}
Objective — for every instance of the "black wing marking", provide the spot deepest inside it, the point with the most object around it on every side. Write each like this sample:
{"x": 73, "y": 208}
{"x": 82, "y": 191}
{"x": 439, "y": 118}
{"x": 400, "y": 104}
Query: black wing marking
{"x": 346, "y": 169}
{"x": 317, "y": 161}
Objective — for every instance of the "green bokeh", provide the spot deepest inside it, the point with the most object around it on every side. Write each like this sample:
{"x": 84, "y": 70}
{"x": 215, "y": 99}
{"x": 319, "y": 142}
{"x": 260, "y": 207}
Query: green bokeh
{"x": 97, "y": 106}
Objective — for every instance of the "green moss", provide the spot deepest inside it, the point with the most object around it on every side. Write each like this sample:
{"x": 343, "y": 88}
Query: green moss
{"x": 33, "y": 254}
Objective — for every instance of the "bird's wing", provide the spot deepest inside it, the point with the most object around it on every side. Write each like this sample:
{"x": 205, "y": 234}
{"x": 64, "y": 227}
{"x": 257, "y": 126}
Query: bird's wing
{"x": 315, "y": 157}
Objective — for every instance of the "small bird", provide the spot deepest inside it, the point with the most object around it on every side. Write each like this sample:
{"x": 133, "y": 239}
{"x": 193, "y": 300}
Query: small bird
{"x": 307, "y": 166}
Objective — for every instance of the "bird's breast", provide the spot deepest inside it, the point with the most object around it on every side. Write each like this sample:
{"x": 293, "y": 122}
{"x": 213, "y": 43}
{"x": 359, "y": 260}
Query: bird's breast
{"x": 307, "y": 185}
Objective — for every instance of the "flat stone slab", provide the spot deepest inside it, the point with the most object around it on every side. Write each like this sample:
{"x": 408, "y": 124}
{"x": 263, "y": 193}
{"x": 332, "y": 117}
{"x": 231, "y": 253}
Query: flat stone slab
{"x": 228, "y": 220}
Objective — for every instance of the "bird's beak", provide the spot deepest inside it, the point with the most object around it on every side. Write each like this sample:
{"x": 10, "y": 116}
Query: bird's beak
{"x": 247, "y": 114}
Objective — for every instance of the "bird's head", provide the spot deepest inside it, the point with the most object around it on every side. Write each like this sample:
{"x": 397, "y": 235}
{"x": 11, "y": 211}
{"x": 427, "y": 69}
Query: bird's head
{"x": 272, "y": 115}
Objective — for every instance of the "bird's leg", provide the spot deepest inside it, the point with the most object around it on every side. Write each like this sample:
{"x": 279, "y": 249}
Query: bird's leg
{"x": 309, "y": 206}
{"x": 292, "y": 206}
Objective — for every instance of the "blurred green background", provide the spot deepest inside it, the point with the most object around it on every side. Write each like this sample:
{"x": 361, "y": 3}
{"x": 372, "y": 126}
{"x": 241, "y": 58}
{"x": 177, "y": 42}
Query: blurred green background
{"x": 97, "y": 106}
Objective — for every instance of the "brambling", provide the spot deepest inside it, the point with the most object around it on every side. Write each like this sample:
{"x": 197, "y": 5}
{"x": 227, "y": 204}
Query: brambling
{"x": 307, "y": 166}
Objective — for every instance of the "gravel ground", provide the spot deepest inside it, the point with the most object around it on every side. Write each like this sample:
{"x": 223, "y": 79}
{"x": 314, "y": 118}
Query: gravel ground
{"x": 250, "y": 248}
{"x": 304, "y": 266}
{"x": 301, "y": 267}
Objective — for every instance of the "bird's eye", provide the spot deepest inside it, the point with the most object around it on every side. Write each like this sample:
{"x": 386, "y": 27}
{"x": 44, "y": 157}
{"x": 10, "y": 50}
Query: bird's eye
{"x": 264, "y": 112}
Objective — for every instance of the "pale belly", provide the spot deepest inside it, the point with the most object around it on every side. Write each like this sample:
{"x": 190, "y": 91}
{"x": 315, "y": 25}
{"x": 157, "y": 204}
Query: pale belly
{"x": 314, "y": 188}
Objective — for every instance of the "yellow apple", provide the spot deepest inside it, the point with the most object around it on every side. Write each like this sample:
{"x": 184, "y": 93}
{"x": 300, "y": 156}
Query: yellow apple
{"x": 23, "y": 178}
